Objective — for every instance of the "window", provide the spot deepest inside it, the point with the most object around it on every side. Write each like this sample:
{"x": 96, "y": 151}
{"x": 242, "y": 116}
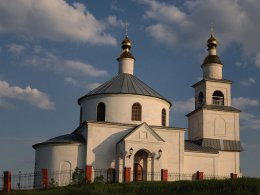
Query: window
{"x": 81, "y": 115}
{"x": 101, "y": 112}
{"x": 218, "y": 98}
{"x": 200, "y": 98}
{"x": 136, "y": 112}
{"x": 163, "y": 117}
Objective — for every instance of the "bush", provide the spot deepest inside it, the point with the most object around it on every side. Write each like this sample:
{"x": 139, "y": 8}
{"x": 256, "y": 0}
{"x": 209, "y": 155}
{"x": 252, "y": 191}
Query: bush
{"x": 78, "y": 176}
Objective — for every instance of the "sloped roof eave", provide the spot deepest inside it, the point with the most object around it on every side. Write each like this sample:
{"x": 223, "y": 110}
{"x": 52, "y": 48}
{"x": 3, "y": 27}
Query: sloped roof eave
{"x": 124, "y": 84}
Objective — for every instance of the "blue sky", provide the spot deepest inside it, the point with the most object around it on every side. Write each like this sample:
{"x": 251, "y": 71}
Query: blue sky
{"x": 53, "y": 52}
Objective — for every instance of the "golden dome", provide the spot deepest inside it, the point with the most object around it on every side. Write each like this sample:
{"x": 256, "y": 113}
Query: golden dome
{"x": 126, "y": 44}
{"x": 212, "y": 42}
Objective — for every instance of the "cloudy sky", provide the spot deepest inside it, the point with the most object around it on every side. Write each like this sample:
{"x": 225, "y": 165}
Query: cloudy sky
{"x": 53, "y": 52}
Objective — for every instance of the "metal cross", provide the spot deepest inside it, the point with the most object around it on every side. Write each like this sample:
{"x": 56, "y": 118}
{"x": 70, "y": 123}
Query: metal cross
{"x": 126, "y": 28}
{"x": 211, "y": 28}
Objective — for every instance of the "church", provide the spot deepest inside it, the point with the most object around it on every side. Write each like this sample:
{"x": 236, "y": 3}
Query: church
{"x": 124, "y": 129}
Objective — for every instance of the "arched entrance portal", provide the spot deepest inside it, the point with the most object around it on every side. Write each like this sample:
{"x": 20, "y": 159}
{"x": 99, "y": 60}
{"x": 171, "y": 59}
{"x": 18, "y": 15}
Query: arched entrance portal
{"x": 138, "y": 172}
{"x": 142, "y": 165}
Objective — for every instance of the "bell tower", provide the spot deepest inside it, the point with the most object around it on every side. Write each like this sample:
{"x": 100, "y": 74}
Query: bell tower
{"x": 214, "y": 122}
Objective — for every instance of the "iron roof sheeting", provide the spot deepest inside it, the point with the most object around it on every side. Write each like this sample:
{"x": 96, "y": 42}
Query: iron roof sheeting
{"x": 212, "y": 59}
{"x": 217, "y": 108}
{"x": 212, "y": 80}
{"x": 219, "y": 144}
{"x": 125, "y": 84}
{"x": 192, "y": 146}
{"x": 67, "y": 138}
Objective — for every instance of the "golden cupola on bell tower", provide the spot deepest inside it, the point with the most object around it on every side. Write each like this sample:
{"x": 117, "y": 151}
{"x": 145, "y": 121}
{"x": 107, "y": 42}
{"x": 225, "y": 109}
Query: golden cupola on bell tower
{"x": 212, "y": 66}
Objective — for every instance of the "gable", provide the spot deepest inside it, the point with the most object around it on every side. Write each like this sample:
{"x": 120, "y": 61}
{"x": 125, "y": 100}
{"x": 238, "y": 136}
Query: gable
{"x": 143, "y": 133}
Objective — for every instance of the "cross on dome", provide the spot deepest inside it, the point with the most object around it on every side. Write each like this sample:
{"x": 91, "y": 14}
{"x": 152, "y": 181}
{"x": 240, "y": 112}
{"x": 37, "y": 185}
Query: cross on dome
{"x": 126, "y": 28}
{"x": 212, "y": 41}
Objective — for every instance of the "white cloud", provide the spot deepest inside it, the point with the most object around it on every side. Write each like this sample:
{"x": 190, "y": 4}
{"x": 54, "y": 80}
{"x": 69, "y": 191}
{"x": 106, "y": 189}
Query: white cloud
{"x": 51, "y": 62}
{"x": 163, "y": 33}
{"x": 234, "y": 22}
{"x": 185, "y": 106}
{"x": 87, "y": 69}
{"x": 164, "y": 12}
{"x": 15, "y": 48}
{"x": 249, "y": 82}
{"x": 93, "y": 86}
{"x": 78, "y": 83}
{"x": 72, "y": 81}
{"x": 113, "y": 21}
{"x": 249, "y": 121}
{"x": 56, "y": 20}
{"x": 28, "y": 94}
{"x": 242, "y": 102}
{"x": 115, "y": 7}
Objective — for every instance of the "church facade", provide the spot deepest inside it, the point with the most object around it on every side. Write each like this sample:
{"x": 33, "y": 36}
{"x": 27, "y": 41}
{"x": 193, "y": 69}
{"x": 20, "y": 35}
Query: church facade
{"x": 124, "y": 124}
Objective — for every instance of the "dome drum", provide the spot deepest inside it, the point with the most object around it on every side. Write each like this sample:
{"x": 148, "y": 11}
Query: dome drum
{"x": 119, "y": 108}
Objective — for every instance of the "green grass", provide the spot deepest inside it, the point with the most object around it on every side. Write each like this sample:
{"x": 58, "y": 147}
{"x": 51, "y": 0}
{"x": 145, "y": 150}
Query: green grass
{"x": 238, "y": 186}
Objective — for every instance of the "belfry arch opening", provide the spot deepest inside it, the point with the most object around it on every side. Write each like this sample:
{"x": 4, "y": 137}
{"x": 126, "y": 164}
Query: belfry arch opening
{"x": 218, "y": 98}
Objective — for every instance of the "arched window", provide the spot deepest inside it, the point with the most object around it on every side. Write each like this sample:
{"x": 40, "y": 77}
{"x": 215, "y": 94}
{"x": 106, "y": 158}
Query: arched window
{"x": 218, "y": 98}
{"x": 136, "y": 112}
{"x": 101, "y": 111}
{"x": 200, "y": 98}
{"x": 81, "y": 115}
{"x": 163, "y": 117}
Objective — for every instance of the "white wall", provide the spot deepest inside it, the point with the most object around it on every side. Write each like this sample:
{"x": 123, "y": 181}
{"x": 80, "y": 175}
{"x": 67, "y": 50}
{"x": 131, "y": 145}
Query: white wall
{"x": 212, "y": 70}
{"x": 173, "y": 150}
{"x": 214, "y": 124}
{"x": 229, "y": 163}
{"x": 204, "y": 162}
{"x": 57, "y": 157}
{"x": 101, "y": 144}
{"x": 119, "y": 108}
{"x": 101, "y": 148}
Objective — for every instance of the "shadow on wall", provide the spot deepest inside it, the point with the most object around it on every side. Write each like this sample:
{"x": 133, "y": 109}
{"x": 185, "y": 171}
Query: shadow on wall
{"x": 105, "y": 152}
{"x": 81, "y": 160}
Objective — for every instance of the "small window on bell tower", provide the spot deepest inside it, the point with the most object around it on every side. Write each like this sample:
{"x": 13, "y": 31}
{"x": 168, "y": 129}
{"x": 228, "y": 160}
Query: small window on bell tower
{"x": 200, "y": 99}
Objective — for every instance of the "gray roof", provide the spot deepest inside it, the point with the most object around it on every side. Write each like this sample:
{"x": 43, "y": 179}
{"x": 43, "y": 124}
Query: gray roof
{"x": 218, "y": 144}
{"x": 212, "y": 80}
{"x": 192, "y": 146}
{"x": 217, "y": 108}
{"x": 125, "y": 84}
{"x": 67, "y": 139}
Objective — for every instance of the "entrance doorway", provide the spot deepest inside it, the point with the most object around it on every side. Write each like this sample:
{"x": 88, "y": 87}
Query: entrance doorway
{"x": 142, "y": 165}
{"x": 138, "y": 172}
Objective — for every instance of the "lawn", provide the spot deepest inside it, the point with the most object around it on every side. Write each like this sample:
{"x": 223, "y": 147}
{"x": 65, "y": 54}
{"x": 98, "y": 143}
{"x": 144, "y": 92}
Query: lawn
{"x": 236, "y": 186}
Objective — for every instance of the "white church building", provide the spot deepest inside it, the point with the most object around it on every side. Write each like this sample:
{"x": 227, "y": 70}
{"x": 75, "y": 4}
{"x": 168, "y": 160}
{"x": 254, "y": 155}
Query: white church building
{"x": 124, "y": 129}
